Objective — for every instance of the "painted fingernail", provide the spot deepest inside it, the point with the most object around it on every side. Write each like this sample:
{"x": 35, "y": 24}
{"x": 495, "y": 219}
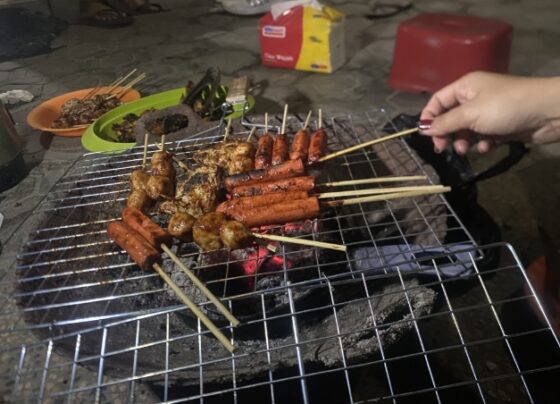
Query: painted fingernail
{"x": 425, "y": 124}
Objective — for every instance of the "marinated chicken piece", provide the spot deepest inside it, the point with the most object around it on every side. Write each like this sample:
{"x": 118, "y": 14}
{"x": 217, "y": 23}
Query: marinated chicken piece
{"x": 235, "y": 235}
{"x": 171, "y": 207}
{"x": 162, "y": 165}
{"x": 181, "y": 225}
{"x": 206, "y": 231}
{"x": 233, "y": 157}
{"x": 198, "y": 192}
{"x": 159, "y": 187}
{"x": 139, "y": 180}
{"x": 139, "y": 199}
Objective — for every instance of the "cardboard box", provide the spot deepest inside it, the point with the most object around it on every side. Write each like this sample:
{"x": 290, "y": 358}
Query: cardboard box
{"x": 307, "y": 36}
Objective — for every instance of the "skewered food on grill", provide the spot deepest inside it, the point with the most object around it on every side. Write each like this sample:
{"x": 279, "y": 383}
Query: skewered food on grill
{"x": 253, "y": 202}
{"x": 181, "y": 225}
{"x": 162, "y": 164}
{"x": 198, "y": 193}
{"x": 139, "y": 180}
{"x": 317, "y": 146}
{"x": 139, "y": 199}
{"x": 305, "y": 184}
{"x": 144, "y": 226}
{"x": 235, "y": 235}
{"x": 300, "y": 145}
{"x": 288, "y": 169}
{"x": 233, "y": 157}
{"x": 279, "y": 149}
{"x": 80, "y": 112}
{"x": 139, "y": 249}
{"x": 159, "y": 186}
{"x": 206, "y": 231}
{"x": 263, "y": 155}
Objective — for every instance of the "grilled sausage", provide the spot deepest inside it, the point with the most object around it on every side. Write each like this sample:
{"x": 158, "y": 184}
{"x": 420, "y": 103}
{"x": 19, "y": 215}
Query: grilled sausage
{"x": 180, "y": 226}
{"x": 251, "y": 202}
{"x": 144, "y": 226}
{"x": 305, "y": 184}
{"x": 263, "y": 155}
{"x": 159, "y": 186}
{"x": 317, "y": 146}
{"x": 206, "y": 231}
{"x": 162, "y": 164}
{"x": 279, "y": 213}
{"x": 140, "y": 200}
{"x": 300, "y": 145}
{"x": 235, "y": 235}
{"x": 138, "y": 180}
{"x": 288, "y": 169}
{"x": 279, "y": 150}
{"x": 138, "y": 248}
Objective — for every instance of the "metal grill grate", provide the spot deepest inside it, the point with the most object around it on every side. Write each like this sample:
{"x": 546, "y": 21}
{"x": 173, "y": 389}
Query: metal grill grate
{"x": 81, "y": 323}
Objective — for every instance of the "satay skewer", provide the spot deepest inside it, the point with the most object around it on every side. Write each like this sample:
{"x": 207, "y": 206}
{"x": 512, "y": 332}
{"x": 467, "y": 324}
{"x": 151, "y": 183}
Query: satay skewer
{"x": 227, "y": 129}
{"x": 251, "y": 133}
{"x": 219, "y": 305}
{"x": 122, "y": 80}
{"x": 377, "y": 191}
{"x": 293, "y": 240}
{"x": 320, "y": 119}
{"x": 125, "y": 89}
{"x": 385, "y": 197}
{"x": 306, "y": 123}
{"x": 265, "y": 123}
{"x": 284, "y": 118}
{"x": 376, "y": 180}
{"x": 145, "y": 152}
{"x": 369, "y": 143}
{"x": 194, "y": 308}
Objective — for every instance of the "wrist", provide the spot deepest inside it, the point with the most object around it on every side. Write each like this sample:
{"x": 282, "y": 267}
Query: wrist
{"x": 546, "y": 102}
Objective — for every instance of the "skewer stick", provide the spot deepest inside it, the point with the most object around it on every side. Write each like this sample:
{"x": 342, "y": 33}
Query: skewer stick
{"x": 320, "y": 123}
{"x": 385, "y": 197}
{"x": 253, "y": 129}
{"x": 307, "y": 120}
{"x": 162, "y": 143}
{"x": 194, "y": 308}
{"x": 377, "y": 180}
{"x": 227, "y": 129}
{"x": 292, "y": 240}
{"x": 125, "y": 89}
{"x": 366, "y": 144}
{"x": 377, "y": 191}
{"x": 219, "y": 305}
{"x": 82, "y": 126}
{"x": 265, "y": 123}
{"x": 144, "y": 154}
{"x": 284, "y": 117}
{"x": 122, "y": 80}
{"x": 175, "y": 159}
{"x": 95, "y": 90}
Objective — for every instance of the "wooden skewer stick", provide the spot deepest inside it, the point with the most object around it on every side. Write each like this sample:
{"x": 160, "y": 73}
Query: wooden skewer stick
{"x": 219, "y": 305}
{"x": 95, "y": 90}
{"x": 320, "y": 123}
{"x": 377, "y": 180}
{"x": 194, "y": 308}
{"x": 162, "y": 143}
{"x": 366, "y": 144}
{"x": 307, "y": 120}
{"x": 227, "y": 129}
{"x": 144, "y": 154}
{"x": 125, "y": 89}
{"x": 82, "y": 126}
{"x": 377, "y": 191}
{"x": 284, "y": 118}
{"x": 119, "y": 82}
{"x": 292, "y": 240}
{"x": 253, "y": 129}
{"x": 385, "y": 197}
{"x": 265, "y": 123}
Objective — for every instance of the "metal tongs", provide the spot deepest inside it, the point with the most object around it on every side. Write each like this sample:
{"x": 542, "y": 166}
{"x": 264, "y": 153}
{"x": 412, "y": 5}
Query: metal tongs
{"x": 210, "y": 81}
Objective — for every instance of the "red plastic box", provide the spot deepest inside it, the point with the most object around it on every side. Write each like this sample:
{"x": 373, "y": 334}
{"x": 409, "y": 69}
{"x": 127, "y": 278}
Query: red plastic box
{"x": 432, "y": 50}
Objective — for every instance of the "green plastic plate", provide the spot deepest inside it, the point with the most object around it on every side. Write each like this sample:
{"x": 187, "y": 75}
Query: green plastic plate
{"x": 99, "y": 136}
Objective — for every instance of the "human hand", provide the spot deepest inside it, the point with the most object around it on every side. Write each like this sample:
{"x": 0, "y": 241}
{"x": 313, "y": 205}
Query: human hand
{"x": 488, "y": 109}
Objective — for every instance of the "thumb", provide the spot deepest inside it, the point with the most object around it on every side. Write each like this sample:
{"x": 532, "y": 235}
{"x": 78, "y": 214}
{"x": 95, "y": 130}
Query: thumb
{"x": 454, "y": 120}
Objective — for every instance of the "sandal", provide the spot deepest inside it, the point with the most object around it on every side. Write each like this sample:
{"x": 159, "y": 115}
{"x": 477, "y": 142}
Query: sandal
{"x": 99, "y": 14}
{"x": 137, "y": 7}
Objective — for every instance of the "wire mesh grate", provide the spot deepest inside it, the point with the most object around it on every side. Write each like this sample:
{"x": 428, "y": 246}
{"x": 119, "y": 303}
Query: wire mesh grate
{"x": 81, "y": 323}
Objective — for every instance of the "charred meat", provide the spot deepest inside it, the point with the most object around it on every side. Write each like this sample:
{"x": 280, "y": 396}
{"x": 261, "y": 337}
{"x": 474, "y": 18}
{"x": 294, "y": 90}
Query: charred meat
{"x": 206, "y": 231}
{"x": 167, "y": 124}
{"x": 181, "y": 226}
{"x": 81, "y": 112}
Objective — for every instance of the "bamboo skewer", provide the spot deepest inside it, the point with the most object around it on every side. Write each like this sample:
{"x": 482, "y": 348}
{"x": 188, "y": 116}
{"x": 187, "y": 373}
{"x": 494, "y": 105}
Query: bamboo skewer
{"x": 253, "y": 129}
{"x": 307, "y": 120}
{"x": 144, "y": 154}
{"x": 219, "y": 305}
{"x": 377, "y": 191}
{"x": 265, "y": 123}
{"x": 292, "y": 240}
{"x": 96, "y": 89}
{"x": 377, "y": 180}
{"x": 122, "y": 80}
{"x": 227, "y": 129}
{"x": 320, "y": 122}
{"x": 82, "y": 126}
{"x": 284, "y": 118}
{"x": 385, "y": 197}
{"x": 194, "y": 308}
{"x": 162, "y": 143}
{"x": 125, "y": 89}
{"x": 366, "y": 144}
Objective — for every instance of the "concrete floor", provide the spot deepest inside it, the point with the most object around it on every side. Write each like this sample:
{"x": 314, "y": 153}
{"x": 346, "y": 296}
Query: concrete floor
{"x": 178, "y": 46}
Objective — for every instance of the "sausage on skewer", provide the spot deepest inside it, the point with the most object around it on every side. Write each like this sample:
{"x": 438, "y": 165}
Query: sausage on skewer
{"x": 317, "y": 146}
{"x": 279, "y": 149}
{"x": 144, "y": 226}
{"x": 251, "y": 202}
{"x": 305, "y": 184}
{"x": 138, "y": 248}
{"x": 300, "y": 145}
{"x": 263, "y": 155}
{"x": 288, "y": 169}
{"x": 139, "y": 199}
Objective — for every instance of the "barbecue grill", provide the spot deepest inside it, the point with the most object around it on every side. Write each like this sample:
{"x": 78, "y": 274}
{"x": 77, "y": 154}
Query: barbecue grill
{"x": 81, "y": 323}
